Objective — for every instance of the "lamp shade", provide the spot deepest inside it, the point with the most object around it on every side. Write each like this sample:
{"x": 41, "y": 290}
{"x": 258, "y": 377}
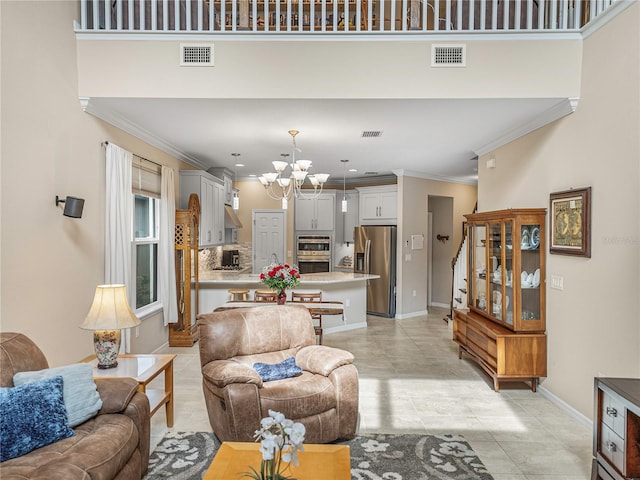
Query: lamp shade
{"x": 110, "y": 310}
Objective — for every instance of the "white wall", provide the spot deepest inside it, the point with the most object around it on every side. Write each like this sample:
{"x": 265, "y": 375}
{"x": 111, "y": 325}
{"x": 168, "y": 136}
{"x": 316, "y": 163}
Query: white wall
{"x": 51, "y": 264}
{"x": 413, "y": 199}
{"x": 593, "y": 325}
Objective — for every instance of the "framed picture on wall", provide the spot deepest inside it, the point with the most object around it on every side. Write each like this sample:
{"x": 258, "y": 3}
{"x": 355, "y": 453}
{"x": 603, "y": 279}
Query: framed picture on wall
{"x": 570, "y": 213}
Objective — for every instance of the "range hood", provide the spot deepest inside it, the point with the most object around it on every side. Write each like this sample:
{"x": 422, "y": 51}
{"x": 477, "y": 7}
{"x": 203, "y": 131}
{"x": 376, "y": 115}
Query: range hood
{"x": 231, "y": 220}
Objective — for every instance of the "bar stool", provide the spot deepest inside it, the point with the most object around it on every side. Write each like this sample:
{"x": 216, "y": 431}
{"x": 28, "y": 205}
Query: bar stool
{"x": 264, "y": 296}
{"x": 310, "y": 298}
{"x": 239, "y": 295}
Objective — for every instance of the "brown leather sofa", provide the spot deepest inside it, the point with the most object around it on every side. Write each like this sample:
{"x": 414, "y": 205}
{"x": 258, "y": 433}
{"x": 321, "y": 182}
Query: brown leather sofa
{"x": 112, "y": 445}
{"x": 324, "y": 397}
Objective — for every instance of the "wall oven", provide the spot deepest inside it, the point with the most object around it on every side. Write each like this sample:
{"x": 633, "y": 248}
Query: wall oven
{"x": 313, "y": 253}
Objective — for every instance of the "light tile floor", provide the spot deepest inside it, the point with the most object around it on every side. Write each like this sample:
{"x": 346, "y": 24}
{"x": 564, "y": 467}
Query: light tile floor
{"x": 412, "y": 381}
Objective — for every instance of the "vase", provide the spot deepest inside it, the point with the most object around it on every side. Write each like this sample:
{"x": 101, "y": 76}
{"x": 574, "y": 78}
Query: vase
{"x": 282, "y": 297}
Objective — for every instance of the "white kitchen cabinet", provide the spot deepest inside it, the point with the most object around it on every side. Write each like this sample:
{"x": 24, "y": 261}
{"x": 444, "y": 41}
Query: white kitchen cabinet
{"x": 350, "y": 218}
{"x": 378, "y": 205}
{"x": 315, "y": 213}
{"x": 210, "y": 191}
{"x": 226, "y": 176}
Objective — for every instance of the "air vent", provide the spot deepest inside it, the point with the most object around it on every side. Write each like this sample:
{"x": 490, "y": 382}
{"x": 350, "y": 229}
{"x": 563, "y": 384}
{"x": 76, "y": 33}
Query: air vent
{"x": 371, "y": 133}
{"x": 448, "y": 55}
{"x": 196, "y": 55}
{"x": 371, "y": 173}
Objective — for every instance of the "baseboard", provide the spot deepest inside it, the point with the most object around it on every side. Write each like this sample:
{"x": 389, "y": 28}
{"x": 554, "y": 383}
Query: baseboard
{"x": 566, "y": 407}
{"x": 411, "y": 314}
{"x": 344, "y": 328}
{"x": 161, "y": 347}
{"x": 441, "y": 305}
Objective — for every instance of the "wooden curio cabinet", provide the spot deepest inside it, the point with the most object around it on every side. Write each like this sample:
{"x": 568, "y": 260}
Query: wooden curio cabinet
{"x": 184, "y": 333}
{"x": 503, "y": 328}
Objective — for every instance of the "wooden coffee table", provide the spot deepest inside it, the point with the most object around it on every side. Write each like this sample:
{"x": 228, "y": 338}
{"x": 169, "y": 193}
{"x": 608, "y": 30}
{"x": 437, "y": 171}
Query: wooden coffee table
{"x": 143, "y": 368}
{"x": 317, "y": 462}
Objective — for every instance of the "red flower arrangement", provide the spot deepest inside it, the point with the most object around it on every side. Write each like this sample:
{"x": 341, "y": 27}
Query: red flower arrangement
{"x": 280, "y": 277}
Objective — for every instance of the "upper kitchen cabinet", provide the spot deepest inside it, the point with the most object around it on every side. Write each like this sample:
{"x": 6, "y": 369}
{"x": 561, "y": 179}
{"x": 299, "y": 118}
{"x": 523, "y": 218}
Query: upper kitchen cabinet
{"x": 210, "y": 191}
{"x": 378, "y": 205}
{"x": 315, "y": 213}
{"x": 226, "y": 176}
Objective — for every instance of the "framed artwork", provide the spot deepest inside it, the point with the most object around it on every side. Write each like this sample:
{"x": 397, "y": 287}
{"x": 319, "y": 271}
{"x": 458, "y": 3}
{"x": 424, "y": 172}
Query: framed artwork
{"x": 570, "y": 232}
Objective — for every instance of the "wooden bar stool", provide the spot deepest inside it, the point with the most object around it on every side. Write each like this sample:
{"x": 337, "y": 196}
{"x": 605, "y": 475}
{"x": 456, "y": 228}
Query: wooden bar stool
{"x": 317, "y": 318}
{"x": 264, "y": 296}
{"x": 239, "y": 295}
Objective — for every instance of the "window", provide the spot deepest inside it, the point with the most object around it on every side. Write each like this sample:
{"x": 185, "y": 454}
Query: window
{"x": 145, "y": 249}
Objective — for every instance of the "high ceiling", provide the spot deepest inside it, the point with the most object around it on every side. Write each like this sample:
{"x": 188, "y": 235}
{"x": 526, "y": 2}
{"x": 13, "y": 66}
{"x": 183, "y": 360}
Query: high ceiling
{"x": 437, "y": 139}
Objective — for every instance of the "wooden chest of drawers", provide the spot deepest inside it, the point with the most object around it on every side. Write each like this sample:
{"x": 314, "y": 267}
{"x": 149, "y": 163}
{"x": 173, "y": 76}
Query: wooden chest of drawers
{"x": 616, "y": 424}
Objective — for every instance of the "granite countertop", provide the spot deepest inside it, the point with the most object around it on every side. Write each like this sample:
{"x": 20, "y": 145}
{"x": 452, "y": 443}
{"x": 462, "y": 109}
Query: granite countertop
{"x": 226, "y": 276}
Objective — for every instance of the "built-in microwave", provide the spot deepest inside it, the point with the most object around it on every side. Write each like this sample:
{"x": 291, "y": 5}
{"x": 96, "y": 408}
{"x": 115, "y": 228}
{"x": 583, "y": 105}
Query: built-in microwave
{"x": 313, "y": 253}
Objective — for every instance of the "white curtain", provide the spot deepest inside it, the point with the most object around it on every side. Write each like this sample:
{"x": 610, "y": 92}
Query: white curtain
{"x": 119, "y": 208}
{"x": 166, "y": 263}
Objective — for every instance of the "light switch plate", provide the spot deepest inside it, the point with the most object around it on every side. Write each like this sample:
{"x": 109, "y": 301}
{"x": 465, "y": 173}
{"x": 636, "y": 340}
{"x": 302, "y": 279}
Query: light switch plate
{"x": 557, "y": 282}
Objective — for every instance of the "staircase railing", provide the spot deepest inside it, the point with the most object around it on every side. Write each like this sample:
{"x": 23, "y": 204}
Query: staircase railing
{"x": 459, "y": 277}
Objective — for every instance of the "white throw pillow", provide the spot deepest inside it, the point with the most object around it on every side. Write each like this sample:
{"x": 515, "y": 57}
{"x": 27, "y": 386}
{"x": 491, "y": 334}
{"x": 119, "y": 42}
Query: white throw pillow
{"x": 80, "y": 394}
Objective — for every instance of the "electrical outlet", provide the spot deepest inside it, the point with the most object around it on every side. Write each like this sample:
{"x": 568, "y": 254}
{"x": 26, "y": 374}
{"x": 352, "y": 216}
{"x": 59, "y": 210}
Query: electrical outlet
{"x": 137, "y": 332}
{"x": 407, "y": 257}
{"x": 347, "y": 302}
{"x": 414, "y": 293}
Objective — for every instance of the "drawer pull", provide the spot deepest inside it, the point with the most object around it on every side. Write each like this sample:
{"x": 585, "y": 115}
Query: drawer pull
{"x": 612, "y": 412}
{"x": 611, "y": 446}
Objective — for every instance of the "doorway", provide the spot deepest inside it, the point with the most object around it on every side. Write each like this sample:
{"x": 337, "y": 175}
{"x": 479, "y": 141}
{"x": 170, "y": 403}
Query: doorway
{"x": 268, "y": 238}
{"x": 441, "y": 240}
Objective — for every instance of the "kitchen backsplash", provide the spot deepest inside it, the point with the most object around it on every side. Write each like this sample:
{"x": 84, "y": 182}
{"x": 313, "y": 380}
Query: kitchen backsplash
{"x": 210, "y": 258}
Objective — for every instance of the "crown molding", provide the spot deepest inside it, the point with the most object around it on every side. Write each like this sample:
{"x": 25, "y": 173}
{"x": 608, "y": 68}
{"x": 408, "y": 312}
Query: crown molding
{"x": 469, "y": 180}
{"x": 134, "y": 129}
{"x": 563, "y": 108}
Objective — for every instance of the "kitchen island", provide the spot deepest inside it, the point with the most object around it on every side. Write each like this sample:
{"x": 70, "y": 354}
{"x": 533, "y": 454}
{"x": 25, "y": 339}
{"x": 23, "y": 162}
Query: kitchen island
{"x": 348, "y": 288}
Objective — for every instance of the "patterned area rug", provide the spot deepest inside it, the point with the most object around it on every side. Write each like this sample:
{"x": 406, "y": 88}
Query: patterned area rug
{"x": 186, "y": 456}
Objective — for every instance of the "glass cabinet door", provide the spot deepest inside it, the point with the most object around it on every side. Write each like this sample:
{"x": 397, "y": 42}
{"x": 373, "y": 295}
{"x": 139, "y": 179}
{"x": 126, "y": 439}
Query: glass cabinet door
{"x": 495, "y": 270}
{"x": 480, "y": 267}
{"x": 507, "y": 273}
{"x": 530, "y": 304}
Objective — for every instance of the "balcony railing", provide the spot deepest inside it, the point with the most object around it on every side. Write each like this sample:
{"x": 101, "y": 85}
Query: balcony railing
{"x": 337, "y": 16}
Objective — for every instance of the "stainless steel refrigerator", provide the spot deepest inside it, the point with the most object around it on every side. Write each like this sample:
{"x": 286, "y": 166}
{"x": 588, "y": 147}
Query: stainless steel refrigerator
{"x": 375, "y": 253}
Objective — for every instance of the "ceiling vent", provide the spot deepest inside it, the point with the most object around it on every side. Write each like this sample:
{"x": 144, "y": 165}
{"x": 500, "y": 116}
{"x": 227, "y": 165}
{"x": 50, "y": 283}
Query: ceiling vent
{"x": 371, "y": 133}
{"x": 196, "y": 55}
{"x": 448, "y": 55}
{"x": 371, "y": 173}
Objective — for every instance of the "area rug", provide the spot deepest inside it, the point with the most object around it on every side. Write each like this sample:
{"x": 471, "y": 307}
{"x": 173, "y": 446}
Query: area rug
{"x": 186, "y": 456}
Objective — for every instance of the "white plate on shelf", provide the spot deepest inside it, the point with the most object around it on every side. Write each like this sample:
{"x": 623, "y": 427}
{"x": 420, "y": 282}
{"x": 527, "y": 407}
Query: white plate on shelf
{"x": 536, "y": 278}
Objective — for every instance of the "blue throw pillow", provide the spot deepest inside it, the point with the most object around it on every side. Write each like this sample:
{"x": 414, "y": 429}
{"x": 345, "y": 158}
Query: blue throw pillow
{"x": 285, "y": 369}
{"x": 79, "y": 391}
{"x": 32, "y": 416}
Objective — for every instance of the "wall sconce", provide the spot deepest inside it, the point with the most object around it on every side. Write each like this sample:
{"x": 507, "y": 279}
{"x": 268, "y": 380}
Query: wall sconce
{"x": 72, "y": 206}
{"x": 442, "y": 238}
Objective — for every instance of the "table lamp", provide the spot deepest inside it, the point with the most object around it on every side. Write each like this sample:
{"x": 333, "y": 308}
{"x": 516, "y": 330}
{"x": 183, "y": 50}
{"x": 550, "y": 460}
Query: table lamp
{"x": 109, "y": 313}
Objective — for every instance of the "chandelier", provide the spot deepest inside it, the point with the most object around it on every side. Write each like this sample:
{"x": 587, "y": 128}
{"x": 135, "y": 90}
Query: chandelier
{"x": 281, "y": 187}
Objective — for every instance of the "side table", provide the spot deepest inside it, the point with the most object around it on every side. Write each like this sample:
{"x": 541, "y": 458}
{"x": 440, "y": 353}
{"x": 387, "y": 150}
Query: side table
{"x": 317, "y": 462}
{"x": 143, "y": 368}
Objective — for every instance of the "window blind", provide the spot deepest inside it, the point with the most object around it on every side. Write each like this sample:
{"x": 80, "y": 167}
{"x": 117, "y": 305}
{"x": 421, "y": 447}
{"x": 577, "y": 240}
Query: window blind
{"x": 145, "y": 178}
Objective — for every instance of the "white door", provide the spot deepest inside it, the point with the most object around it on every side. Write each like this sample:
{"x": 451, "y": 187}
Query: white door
{"x": 268, "y": 237}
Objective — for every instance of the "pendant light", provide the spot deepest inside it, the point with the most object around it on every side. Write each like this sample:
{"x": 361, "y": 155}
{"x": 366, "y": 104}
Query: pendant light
{"x": 344, "y": 185}
{"x": 236, "y": 197}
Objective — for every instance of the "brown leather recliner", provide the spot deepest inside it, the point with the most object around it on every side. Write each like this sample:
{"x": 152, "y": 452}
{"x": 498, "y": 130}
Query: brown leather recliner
{"x": 112, "y": 445}
{"x": 324, "y": 397}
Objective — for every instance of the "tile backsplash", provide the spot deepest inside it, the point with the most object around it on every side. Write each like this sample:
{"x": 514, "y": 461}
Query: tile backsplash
{"x": 210, "y": 258}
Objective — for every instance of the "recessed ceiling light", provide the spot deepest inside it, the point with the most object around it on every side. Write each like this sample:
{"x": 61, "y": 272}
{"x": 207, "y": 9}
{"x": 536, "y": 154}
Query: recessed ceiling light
{"x": 239, "y": 164}
{"x": 353, "y": 169}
